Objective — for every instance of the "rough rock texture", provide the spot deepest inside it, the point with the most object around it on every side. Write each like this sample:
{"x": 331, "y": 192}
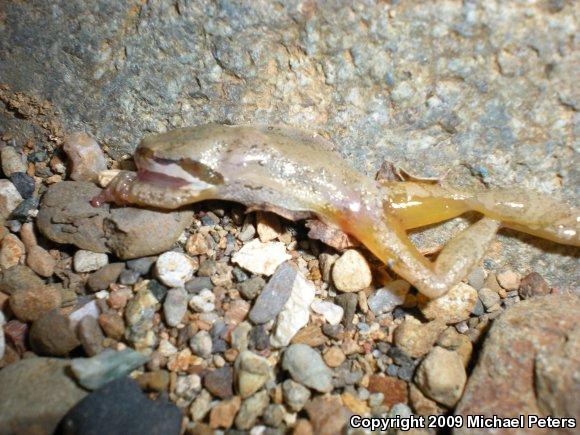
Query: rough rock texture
{"x": 427, "y": 85}
{"x": 530, "y": 360}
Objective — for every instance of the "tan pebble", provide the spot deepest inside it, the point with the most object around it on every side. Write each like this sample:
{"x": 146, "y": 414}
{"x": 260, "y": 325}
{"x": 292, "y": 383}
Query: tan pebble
{"x": 27, "y": 235}
{"x": 334, "y": 356}
{"x": 268, "y": 226}
{"x": 302, "y": 427}
{"x": 351, "y": 272}
{"x": 40, "y": 261}
{"x": 196, "y": 244}
{"x": 11, "y": 252}
{"x": 509, "y": 279}
{"x": 85, "y": 155}
{"x": 353, "y": 403}
{"x": 453, "y": 307}
{"x": 223, "y": 414}
{"x": 29, "y": 303}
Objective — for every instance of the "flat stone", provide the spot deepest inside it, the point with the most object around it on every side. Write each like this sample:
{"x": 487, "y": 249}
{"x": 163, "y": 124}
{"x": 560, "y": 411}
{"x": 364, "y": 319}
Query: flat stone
{"x": 527, "y": 360}
{"x": 90, "y": 335}
{"x": 93, "y": 373}
{"x": 453, "y": 307}
{"x": 17, "y": 278}
{"x": 351, "y": 272}
{"x": 261, "y": 258}
{"x": 268, "y": 226}
{"x": 307, "y": 367}
{"x": 275, "y": 294}
{"x": 441, "y": 376}
{"x": 121, "y": 407}
{"x": 332, "y": 313}
{"x": 39, "y": 403}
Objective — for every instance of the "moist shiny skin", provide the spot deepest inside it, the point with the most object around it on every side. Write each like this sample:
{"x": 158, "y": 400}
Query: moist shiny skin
{"x": 297, "y": 175}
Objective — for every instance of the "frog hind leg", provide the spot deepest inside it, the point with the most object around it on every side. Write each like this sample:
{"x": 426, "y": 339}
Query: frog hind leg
{"x": 531, "y": 212}
{"x": 388, "y": 241}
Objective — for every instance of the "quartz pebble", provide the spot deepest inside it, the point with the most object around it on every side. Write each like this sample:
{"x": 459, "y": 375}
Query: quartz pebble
{"x": 261, "y": 258}
{"x": 307, "y": 367}
{"x": 204, "y": 302}
{"x": 174, "y": 269}
{"x": 416, "y": 338}
{"x": 9, "y": 198}
{"x": 332, "y": 313}
{"x": 88, "y": 261}
{"x": 200, "y": 406}
{"x": 295, "y": 313}
{"x": 94, "y": 372}
{"x": 351, "y": 272}
{"x": 453, "y": 307}
{"x": 175, "y": 306}
{"x": 387, "y": 298}
{"x": 441, "y": 376}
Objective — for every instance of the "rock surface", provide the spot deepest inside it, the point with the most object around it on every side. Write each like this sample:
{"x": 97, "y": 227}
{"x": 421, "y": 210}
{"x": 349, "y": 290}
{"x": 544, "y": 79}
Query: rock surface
{"x": 522, "y": 354}
{"x": 36, "y": 393}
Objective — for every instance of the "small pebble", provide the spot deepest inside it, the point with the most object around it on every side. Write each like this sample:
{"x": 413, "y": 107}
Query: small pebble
{"x": 40, "y": 261}
{"x": 252, "y": 287}
{"x": 51, "y": 334}
{"x": 509, "y": 279}
{"x": 105, "y": 276}
{"x": 11, "y": 161}
{"x": 175, "y": 306}
{"x": 11, "y": 252}
{"x": 261, "y": 258}
{"x": 295, "y": 395}
{"x": 141, "y": 265}
{"x": 251, "y": 372}
{"x": 334, "y": 356}
{"x": 174, "y": 269}
{"x": 30, "y": 303}
{"x": 385, "y": 299}
{"x": 88, "y": 261}
{"x": 25, "y": 209}
{"x": 489, "y": 298}
{"x": 24, "y": 183}
{"x": 85, "y": 156}
{"x": 307, "y": 367}
{"x": 198, "y": 283}
{"x": 351, "y": 272}
{"x": 204, "y": 302}
{"x": 268, "y": 226}
{"x": 454, "y": 306}
{"x": 533, "y": 285}
{"x": 332, "y": 313}
{"x": 128, "y": 277}
{"x": 201, "y": 344}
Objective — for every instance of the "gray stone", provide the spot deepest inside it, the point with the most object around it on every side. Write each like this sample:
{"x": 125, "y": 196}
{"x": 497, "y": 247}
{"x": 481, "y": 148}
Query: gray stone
{"x": 295, "y": 395}
{"x": 36, "y": 393}
{"x": 201, "y": 344}
{"x": 175, "y": 306}
{"x": 251, "y": 372}
{"x": 93, "y": 373}
{"x": 251, "y": 409}
{"x": 275, "y": 294}
{"x": 307, "y": 367}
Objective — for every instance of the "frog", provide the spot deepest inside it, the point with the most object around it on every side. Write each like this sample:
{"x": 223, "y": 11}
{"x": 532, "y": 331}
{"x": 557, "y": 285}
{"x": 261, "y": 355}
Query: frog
{"x": 300, "y": 175}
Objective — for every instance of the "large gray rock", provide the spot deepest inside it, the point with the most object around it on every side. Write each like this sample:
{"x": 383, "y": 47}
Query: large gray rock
{"x": 66, "y": 216}
{"x": 428, "y": 85}
{"x": 35, "y": 394}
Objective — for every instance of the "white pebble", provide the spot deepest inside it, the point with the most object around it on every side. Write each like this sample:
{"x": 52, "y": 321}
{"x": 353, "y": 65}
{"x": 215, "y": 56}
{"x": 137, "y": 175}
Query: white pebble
{"x": 87, "y": 261}
{"x": 351, "y": 272}
{"x": 11, "y": 161}
{"x": 296, "y": 312}
{"x": 9, "y": 198}
{"x": 174, "y": 269}
{"x": 203, "y": 302}
{"x": 166, "y": 349}
{"x": 261, "y": 258}
{"x": 332, "y": 313}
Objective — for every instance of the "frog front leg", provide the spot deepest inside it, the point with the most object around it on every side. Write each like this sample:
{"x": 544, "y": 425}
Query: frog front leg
{"x": 127, "y": 188}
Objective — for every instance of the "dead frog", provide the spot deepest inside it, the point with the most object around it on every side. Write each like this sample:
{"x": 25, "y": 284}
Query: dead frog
{"x": 297, "y": 175}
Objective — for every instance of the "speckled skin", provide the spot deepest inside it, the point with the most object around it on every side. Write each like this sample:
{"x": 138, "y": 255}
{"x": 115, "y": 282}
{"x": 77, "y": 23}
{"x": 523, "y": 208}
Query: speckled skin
{"x": 296, "y": 174}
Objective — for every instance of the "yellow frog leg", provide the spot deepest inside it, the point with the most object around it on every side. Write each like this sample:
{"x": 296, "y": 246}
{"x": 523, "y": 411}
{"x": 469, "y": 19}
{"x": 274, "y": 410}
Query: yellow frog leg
{"x": 386, "y": 238}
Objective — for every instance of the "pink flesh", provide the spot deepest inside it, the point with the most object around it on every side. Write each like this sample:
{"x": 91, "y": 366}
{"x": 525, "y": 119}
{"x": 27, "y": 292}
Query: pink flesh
{"x": 161, "y": 180}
